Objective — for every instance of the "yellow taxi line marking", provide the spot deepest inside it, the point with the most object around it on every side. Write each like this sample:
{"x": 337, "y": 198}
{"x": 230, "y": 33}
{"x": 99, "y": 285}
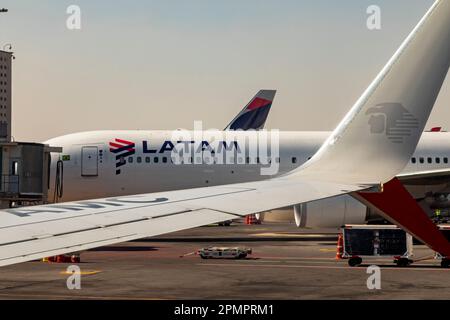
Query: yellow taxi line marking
{"x": 83, "y": 273}
{"x": 296, "y": 258}
{"x": 285, "y": 261}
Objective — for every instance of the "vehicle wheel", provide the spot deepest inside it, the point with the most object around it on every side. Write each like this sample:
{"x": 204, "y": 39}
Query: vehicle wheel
{"x": 354, "y": 262}
{"x": 403, "y": 262}
{"x": 445, "y": 263}
{"x": 203, "y": 257}
{"x": 227, "y": 224}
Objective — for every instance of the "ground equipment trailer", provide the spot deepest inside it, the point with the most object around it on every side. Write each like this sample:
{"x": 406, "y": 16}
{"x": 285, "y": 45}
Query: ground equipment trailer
{"x": 445, "y": 229}
{"x": 224, "y": 253}
{"x": 375, "y": 241}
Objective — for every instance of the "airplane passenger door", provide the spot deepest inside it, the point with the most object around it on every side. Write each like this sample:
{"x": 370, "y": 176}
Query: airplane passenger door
{"x": 89, "y": 161}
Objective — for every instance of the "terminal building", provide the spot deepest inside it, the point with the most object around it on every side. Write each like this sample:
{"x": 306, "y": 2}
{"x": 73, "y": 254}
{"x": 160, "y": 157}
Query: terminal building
{"x": 24, "y": 166}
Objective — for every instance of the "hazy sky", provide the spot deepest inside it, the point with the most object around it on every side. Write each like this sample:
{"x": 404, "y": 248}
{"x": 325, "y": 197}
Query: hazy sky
{"x": 163, "y": 64}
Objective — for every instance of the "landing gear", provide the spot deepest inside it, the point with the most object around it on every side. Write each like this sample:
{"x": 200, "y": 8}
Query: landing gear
{"x": 355, "y": 262}
{"x": 445, "y": 263}
{"x": 403, "y": 262}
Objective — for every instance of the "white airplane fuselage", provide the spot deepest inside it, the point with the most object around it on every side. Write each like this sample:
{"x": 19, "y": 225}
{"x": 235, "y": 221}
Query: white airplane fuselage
{"x": 91, "y": 168}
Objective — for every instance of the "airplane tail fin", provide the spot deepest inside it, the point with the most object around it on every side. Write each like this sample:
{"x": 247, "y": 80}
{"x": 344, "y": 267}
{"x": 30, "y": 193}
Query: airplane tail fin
{"x": 377, "y": 138}
{"x": 255, "y": 114}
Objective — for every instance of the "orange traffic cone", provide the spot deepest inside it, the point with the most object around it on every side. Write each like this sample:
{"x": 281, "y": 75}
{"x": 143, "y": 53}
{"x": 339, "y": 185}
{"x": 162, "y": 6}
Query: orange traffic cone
{"x": 251, "y": 220}
{"x": 340, "y": 247}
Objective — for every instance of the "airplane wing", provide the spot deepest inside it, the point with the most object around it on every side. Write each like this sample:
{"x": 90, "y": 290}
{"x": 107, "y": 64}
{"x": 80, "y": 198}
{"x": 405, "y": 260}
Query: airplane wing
{"x": 372, "y": 144}
{"x": 255, "y": 113}
{"x": 36, "y": 232}
{"x": 428, "y": 177}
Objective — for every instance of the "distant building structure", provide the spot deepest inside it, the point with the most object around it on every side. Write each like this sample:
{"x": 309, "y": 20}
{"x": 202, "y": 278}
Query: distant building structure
{"x": 5, "y": 95}
{"x": 24, "y": 167}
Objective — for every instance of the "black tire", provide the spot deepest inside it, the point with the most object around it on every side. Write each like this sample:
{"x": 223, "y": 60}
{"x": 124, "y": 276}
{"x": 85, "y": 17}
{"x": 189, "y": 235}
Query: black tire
{"x": 445, "y": 263}
{"x": 403, "y": 262}
{"x": 203, "y": 257}
{"x": 354, "y": 262}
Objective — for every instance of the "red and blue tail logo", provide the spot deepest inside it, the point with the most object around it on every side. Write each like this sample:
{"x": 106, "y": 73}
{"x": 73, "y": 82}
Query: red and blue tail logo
{"x": 255, "y": 114}
{"x": 122, "y": 149}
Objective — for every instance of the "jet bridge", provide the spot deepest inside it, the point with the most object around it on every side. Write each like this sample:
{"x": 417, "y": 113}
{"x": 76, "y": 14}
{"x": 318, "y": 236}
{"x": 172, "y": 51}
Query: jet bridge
{"x": 25, "y": 173}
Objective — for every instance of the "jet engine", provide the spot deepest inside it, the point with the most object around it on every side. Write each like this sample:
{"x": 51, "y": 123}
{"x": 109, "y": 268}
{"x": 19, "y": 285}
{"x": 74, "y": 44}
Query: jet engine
{"x": 331, "y": 213}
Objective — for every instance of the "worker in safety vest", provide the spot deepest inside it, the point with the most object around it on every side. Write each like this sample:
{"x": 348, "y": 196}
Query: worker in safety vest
{"x": 437, "y": 214}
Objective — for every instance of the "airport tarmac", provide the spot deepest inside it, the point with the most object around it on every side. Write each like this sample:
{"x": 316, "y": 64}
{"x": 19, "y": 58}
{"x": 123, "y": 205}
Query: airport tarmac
{"x": 302, "y": 266}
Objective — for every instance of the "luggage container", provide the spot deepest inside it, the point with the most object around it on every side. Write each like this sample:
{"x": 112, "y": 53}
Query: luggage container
{"x": 445, "y": 229}
{"x": 375, "y": 241}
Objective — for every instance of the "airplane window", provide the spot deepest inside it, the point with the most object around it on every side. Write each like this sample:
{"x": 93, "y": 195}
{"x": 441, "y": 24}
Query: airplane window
{"x": 147, "y": 159}
{"x": 155, "y": 160}
{"x": 430, "y": 160}
{"x": 422, "y": 160}
{"x": 445, "y": 160}
{"x": 130, "y": 160}
{"x": 414, "y": 160}
{"x": 438, "y": 160}
{"x": 164, "y": 159}
{"x": 294, "y": 160}
{"x": 139, "y": 160}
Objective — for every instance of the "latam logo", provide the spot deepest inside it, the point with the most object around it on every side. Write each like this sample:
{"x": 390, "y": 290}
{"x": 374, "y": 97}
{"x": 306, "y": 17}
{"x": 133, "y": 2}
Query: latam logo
{"x": 122, "y": 149}
{"x": 393, "y": 120}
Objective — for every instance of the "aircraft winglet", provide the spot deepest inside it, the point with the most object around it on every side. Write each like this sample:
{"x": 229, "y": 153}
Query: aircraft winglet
{"x": 378, "y": 136}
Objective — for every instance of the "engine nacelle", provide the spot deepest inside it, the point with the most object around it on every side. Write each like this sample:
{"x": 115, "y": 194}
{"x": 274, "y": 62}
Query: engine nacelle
{"x": 331, "y": 213}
